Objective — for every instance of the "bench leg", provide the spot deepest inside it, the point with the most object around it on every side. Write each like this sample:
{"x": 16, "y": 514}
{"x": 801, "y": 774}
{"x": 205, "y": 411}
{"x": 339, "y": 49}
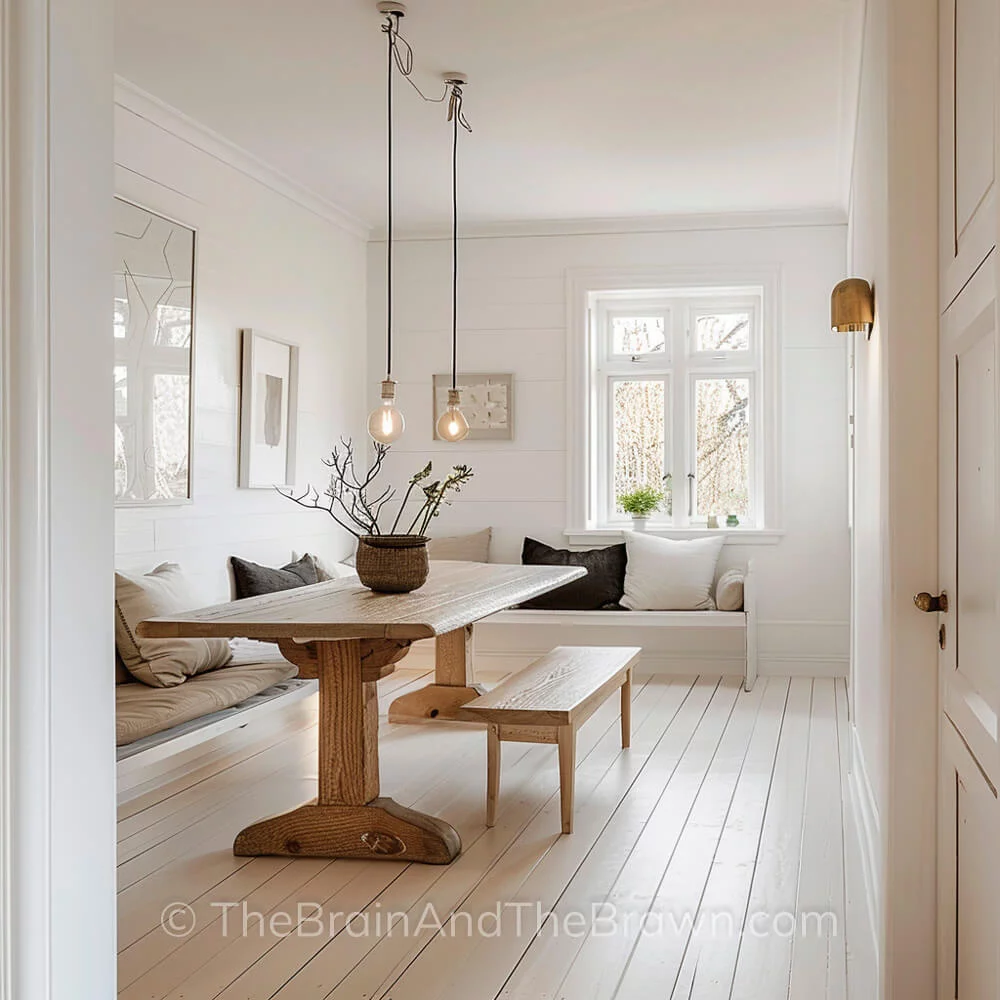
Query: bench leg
{"x": 492, "y": 773}
{"x": 627, "y": 710}
{"x": 567, "y": 775}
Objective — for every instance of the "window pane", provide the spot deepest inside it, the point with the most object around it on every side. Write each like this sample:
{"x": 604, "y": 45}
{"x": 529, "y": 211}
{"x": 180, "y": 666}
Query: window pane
{"x": 723, "y": 332}
{"x": 121, "y": 390}
{"x": 173, "y": 326}
{"x": 722, "y": 414}
{"x": 170, "y": 436}
{"x": 639, "y": 409}
{"x": 124, "y": 467}
{"x": 121, "y": 318}
{"x": 637, "y": 334}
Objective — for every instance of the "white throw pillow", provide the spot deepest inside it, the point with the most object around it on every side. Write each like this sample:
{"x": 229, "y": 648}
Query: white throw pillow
{"x": 667, "y": 575}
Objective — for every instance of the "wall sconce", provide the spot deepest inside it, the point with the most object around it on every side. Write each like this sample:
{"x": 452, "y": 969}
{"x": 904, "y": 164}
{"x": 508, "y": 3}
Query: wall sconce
{"x": 852, "y": 307}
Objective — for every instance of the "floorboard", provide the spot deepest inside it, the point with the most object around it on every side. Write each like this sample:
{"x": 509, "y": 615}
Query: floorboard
{"x": 707, "y": 862}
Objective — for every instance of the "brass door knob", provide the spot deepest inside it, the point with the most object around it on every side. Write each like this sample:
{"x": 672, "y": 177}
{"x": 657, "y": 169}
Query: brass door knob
{"x": 930, "y": 603}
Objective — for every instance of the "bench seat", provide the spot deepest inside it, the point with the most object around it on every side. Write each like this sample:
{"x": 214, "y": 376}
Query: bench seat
{"x": 665, "y": 636}
{"x": 547, "y": 702}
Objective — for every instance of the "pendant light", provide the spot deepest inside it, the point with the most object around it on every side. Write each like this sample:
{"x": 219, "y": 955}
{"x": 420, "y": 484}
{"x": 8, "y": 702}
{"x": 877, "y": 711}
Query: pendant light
{"x": 385, "y": 423}
{"x": 452, "y": 425}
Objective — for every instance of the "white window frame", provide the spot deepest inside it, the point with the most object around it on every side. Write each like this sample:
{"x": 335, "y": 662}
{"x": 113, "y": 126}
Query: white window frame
{"x": 680, "y": 294}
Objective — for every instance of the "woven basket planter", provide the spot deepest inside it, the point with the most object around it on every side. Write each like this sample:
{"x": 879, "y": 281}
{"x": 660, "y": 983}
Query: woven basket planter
{"x": 392, "y": 564}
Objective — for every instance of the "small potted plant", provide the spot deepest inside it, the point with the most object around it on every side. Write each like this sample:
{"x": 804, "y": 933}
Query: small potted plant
{"x": 394, "y": 561}
{"x": 640, "y": 503}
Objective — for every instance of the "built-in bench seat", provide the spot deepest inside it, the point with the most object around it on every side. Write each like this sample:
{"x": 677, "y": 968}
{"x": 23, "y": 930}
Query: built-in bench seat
{"x": 528, "y": 633}
{"x": 154, "y": 722}
{"x": 547, "y": 702}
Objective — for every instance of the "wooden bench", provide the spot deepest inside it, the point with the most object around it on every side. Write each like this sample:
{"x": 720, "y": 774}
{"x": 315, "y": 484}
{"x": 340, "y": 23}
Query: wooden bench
{"x": 547, "y": 702}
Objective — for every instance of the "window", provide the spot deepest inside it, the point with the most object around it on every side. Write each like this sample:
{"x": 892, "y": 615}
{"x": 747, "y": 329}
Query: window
{"x": 675, "y": 393}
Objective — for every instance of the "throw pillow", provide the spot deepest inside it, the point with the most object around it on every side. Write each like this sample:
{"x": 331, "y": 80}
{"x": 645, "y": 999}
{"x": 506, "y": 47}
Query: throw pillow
{"x": 326, "y": 571}
{"x": 668, "y": 575}
{"x": 474, "y": 547}
{"x": 161, "y": 662}
{"x": 602, "y": 586}
{"x": 253, "y": 580}
{"x": 729, "y": 591}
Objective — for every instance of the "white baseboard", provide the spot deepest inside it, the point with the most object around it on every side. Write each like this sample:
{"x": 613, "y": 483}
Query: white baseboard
{"x": 803, "y": 665}
{"x": 865, "y": 826}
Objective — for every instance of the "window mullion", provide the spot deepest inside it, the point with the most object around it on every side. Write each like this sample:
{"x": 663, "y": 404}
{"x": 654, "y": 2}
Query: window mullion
{"x": 679, "y": 428}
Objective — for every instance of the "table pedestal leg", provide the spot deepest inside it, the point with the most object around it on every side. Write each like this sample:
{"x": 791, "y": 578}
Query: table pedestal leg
{"x": 349, "y": 819}
{"x": 452, "y": 687}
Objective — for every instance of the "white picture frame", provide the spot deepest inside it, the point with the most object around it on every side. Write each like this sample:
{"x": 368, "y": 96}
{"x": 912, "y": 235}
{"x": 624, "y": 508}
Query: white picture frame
{"x": 487, "y": 403}
{"x": 269, "y": 394}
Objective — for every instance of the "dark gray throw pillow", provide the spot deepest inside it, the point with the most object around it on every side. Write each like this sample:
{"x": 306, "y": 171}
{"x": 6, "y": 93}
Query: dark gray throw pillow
{"x": 252, "y": 580}
{"x": 602, "y": 587}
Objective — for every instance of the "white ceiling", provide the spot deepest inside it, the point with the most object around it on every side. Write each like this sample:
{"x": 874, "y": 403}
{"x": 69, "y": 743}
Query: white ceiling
{"x": 581, "y": 109}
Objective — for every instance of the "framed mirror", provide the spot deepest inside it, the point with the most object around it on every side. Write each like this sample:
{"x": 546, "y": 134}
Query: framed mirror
{"x": 154, "y": 337}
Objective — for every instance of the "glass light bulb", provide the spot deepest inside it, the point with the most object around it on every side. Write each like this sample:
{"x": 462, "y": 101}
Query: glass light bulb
{"x": 452, "y": 425}
{"x": 385, "y": 422}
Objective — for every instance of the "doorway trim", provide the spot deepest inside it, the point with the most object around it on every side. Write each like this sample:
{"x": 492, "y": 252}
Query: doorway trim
{"x": 57, "y": 887}
{"x": 6, "y": 987}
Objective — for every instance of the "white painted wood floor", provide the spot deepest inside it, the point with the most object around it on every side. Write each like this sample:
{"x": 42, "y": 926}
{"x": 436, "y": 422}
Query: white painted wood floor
{"x": 724, "y": 816}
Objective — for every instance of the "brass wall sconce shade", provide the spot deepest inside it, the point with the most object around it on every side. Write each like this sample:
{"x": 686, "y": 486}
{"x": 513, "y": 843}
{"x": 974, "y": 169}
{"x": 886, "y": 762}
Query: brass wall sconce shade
{"x": 852, "y": 307}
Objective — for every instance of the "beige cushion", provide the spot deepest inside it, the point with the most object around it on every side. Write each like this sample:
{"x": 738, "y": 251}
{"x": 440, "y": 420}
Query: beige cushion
{"x": 142, "y": 710}
{"x": 161, "y": 662}
{"x": 729, "y": 591}
{"x": 474, "y": 547}
{"x": 122, "y": 676}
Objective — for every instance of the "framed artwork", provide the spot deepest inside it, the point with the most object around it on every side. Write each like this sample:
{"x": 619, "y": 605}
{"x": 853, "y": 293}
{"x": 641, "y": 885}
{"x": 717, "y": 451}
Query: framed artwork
{"x": 154, "y": 267}
{"x": 268, "y": 408}
{"x": 487, "y": 402}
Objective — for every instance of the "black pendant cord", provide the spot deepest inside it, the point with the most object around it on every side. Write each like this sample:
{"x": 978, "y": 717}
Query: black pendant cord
{"x": 454, "y": 243}
{"x": 390, "y": 30}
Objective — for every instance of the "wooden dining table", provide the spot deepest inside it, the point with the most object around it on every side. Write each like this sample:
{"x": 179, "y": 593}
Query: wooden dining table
{"x": 349, "y": 638}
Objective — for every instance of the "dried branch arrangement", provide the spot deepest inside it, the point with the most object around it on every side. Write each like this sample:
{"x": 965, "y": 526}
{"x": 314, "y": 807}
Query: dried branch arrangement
{"x": 354, "y": 502}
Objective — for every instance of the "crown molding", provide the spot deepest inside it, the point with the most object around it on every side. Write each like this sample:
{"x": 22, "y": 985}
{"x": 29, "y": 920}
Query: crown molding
{"x": 145, "y": 105}
{"x": 151, "y": 108}
{"x": 790, "y": 219}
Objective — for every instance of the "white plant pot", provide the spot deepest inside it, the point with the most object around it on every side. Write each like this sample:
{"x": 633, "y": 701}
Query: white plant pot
{"x": 639, "y": 523}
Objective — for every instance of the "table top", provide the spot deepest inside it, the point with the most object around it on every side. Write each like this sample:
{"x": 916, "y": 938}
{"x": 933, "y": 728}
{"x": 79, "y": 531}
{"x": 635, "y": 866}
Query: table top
{"x": 455, "y": 594}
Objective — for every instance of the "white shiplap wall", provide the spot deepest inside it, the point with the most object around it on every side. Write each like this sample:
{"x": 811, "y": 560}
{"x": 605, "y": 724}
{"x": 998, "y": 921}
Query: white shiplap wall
{"x": 513, "y": 318}
{"x": 268, "y": 262}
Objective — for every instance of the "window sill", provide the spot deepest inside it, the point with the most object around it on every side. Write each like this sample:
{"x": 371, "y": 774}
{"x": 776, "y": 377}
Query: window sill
{"x": 734, "y": 536}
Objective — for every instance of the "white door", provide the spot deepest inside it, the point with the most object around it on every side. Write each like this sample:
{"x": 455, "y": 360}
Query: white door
{"x": 969, "y": 818}
{"x": 969, "y": 827}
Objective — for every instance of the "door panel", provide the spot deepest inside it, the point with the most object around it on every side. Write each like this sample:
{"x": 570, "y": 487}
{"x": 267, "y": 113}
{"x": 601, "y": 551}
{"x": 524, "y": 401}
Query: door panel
{"x": 970, "y": 32}
{"x": 969, "y": 522}
{"x": 970, "y": 904}
{"x": 976, "y": 619}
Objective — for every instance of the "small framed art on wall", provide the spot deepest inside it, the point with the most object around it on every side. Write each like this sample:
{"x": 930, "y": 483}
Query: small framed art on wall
{"x": 487, "y": 403}
{"x": 268, "y": 410}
